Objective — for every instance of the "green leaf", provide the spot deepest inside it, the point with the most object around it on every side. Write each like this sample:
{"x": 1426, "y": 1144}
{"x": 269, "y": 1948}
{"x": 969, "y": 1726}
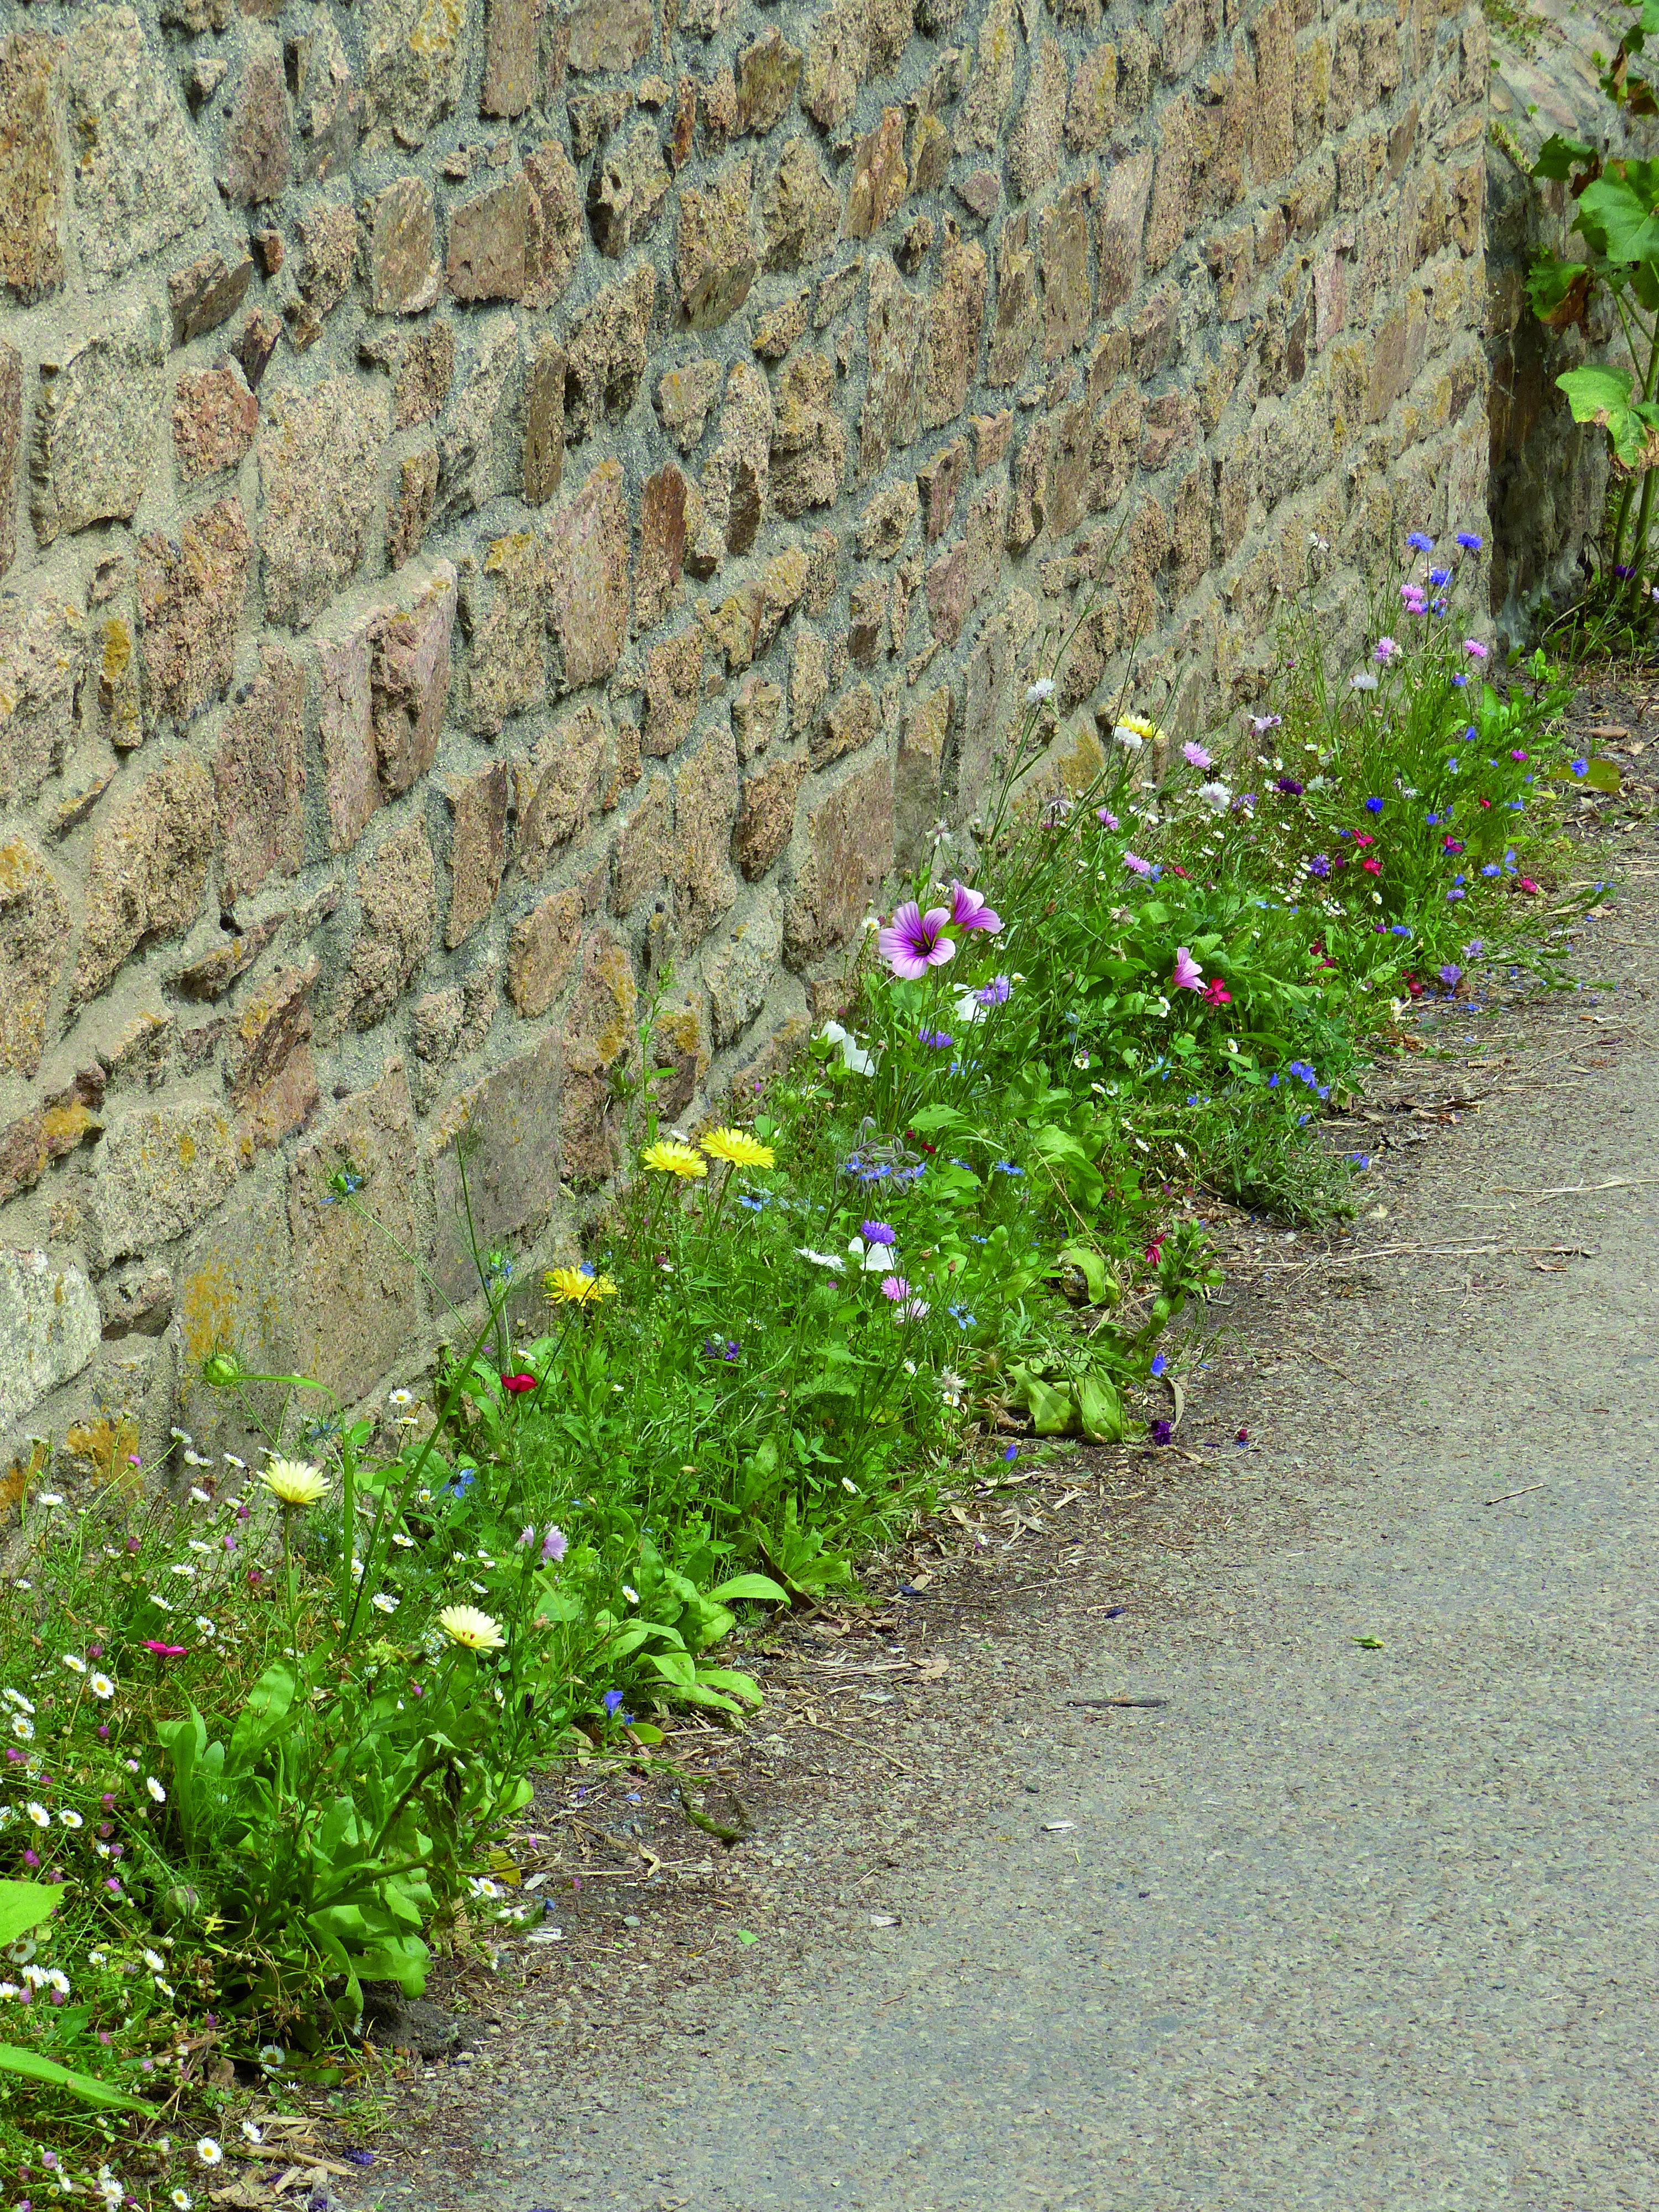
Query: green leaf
{"x": 761, "y": 1587}
{"x": 931, "y": 1119}
{"x": 1093, "y": 1268}
{"x": 728, "y": 1679}
{"x": 25, "y": 1905}
{"x": 1617, "y": 217}
{"x": 1100, "y": 1409}
{"x": 1558, "y": 156}
{"x": 743, "y": 1936}
{"x": 1369, "y": 1642}
{"x": 34, "y": 2068}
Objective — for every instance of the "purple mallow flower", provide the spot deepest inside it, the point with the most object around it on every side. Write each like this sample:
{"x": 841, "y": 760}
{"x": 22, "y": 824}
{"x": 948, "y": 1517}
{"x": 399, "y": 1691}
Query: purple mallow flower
{"x": 970, "y": 911}
{"x": 913, "y": 942}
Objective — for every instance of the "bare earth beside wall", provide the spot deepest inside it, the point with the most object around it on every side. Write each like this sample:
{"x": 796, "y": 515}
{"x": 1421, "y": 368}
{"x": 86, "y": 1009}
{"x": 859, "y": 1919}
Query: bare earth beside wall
{"x": 501, "y": 503}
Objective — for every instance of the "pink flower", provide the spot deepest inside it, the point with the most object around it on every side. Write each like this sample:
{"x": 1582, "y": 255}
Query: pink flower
{"x": 912, "y": 1309}
{"x": 1133, "y": 862}
{"x": 1474, "y": 648}
{"x": 895, "y": 1287}
{"x": 1372, "y": 867}
{"x": 1527, "y": 884}
{"x": 165, "y": 1650}
{"x": 913, "y": 942}
{"x": 1105, "y": 816}
{"x": 1196, "y": 756}
{"x": 553, "y": 1544}
{"x": 1216, "y": 993}
{"x": 1187, "y": 975}
{"x": 516, "y": 1385}
{"x": 1386, "y": 649}
{"x": 970, "y": 911}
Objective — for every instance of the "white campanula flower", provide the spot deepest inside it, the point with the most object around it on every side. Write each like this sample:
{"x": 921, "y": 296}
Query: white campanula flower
{"x": 820, "y": 1258}
{"x": 853, "y": 1057}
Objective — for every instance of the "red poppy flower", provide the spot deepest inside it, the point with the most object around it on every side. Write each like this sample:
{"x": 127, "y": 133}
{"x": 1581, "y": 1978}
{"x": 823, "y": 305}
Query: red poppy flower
{"x": 516, "y": 1385}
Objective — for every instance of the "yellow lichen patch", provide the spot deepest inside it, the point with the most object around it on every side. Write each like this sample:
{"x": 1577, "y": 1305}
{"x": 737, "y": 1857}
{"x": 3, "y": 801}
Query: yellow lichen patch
{"x": 105, "y": 1448}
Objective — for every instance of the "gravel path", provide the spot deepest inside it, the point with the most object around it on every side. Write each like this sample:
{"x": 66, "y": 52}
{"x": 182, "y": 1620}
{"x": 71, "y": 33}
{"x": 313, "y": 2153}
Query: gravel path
{"x": 1361, "y": 1917}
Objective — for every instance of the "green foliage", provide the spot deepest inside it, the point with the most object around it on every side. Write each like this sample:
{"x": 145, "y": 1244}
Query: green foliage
{"x": 272, "y": 1731}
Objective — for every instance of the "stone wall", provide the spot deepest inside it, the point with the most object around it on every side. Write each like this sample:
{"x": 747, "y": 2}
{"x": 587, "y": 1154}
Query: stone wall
{"x": 511, "y": 512}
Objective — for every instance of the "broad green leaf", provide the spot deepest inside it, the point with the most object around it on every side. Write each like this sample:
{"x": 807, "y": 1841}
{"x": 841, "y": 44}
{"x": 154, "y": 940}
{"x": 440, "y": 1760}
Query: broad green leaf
{"x": 931, "y": 1119}
{"x": 761, "y": 1587}
{"x": 1100, "y": 1409}
{"x": 1093, "y": 1268}
{"x": 728, "y": 1679}
{"x": 87, "y": 2087}
{"x": 1618, "y": 219}
{"x": 25, "y": 1905}
{"x": 1558, "y": 156}
{"x": 1596, "y": 394}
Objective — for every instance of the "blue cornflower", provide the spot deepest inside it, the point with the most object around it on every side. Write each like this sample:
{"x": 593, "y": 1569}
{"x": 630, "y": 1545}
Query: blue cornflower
{"x": 1012, "y": 1452}
{"x": 1440, "y": 577}
{"x": 1399, "y": 929}
{"x": 756, "y": 1205}
{"x": 1453, "y": 764}
{"x": 1007, "y": 1168}
{"x": 961, "y": 1316}
{"x": 1319, "y": 866}
{"x": 1468, "y": 541}
{"x": 1455, "y": 894}
{"x": 935, "y": 1040}
{"x": 1580, "y": 767}
{"x": 878, "y": 1232}
{"x": 1432, "y": 820}
{"x": 1360, "y": 1160}
{"x": 1460, "y": 680}
{"x": 1373, "y": 806}
{"x": 1159, "y": 1363}
{"x": 1420, "y": 544}
{"x": 463, "y": 1480}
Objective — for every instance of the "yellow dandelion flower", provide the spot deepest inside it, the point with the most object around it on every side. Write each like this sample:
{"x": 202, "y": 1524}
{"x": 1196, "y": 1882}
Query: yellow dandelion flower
{"x": 1139, "y": 727}
{"x": 295, "y": 1482}
{"x": 465, "y": 1625}
{"x": 569, "y": 1286}
{"x": 739, "y": 1147}
{"x": 671, "y": 1157}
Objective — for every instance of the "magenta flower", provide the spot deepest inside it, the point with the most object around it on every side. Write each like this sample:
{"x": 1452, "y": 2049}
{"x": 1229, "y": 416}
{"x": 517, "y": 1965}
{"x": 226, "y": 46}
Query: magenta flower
{"x": 1474, "y": 648}
{"x": 1196, "y": 756}
{"x": 164, "y": 1650}
{"x": 913, "y": 942}
{"x": 554, "y": 1544}
{"x": 970, "y": 911}
{"x": 1136, "y": 866}
{"x": 1187, "y": 975}
{"x": 895, "y": 1287}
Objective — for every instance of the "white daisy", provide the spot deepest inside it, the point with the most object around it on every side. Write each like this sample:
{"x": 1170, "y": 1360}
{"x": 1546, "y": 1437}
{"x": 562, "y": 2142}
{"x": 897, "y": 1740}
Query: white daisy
{"x": 75, "y": 1666}
{"x": 100, "y": 1686}
{"x": 156, "y": 1790}
{"x": 208, "y": 2151}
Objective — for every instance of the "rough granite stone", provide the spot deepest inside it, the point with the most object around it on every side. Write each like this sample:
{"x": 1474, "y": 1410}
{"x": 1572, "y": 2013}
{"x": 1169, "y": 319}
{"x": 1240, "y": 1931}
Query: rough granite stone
{"x": 11, "y": 447}
{"x": 606, "y": 351}
{"x": 480, "y": 454}
{"x": 259, "y": 777}
{"x": 95, "y": 422}
{"x": 628, "y": 184}
{"x": 32, "y": 172}
{"x": 147, "y": 877}
{"x": 189, "y": 603}
{"x": 512, "y": 41}
{"x": 705, "y": 814}
{"x": 511, "y": 1124}
{"x": 740, "y": 969}
{"x": 34, "y": 946}
{"x": 543, "y": 422}
{"x": 139, "y": 179}
{"x": 42, "y": 651}
{"x": 345, "y": 725}
{"x": 50, "y": 1328}
{"x": 799, "y": 209}
{"x": 718, "y": 256}
{"x": 215, "y": 417}
{"x": 254, "y": 166}
{"x": 767, "y": 74}
{"x": 355, "y": 1301}
{"x": 477, "y": 847}
{"x": 848, "y": 833}
{"x": 397, "y": 912}
{"x": 586, "y": 579}
{"x": 501, "y": 613}
{"x": 541, "y": 952}
{"x": 415, "y": 54}
{"x": 319, "y": 452}
{"x": 400, "y": 248}
{"x": 767, "y": 820}
{"x": 408, "y": 679}
{"x": 558, "y": 788}
{"x": 409, "y": 508}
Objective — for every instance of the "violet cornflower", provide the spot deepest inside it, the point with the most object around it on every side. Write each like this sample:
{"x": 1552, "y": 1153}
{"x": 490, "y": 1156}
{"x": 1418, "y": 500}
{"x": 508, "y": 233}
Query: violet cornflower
{"x": 970, "y": 911}
{"x": 1160, "y": 1432}
{"x": 995, "y": 993}
{"x": 880, "y": 1232}
{"x": 1289, "y": 786}
{"x": 1136, "y": 866}
{"x": 913, "y": 942}
{"x": 1105, "y": 816}
{"x": 1387, "y": 649}
{"x": 1474, "y": 648}
{"x": 935, "y": 1040}
{"x": 554, "y": 1544}
{"x": 1196, "y": 756}
{"x": 895, "y": 1287}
